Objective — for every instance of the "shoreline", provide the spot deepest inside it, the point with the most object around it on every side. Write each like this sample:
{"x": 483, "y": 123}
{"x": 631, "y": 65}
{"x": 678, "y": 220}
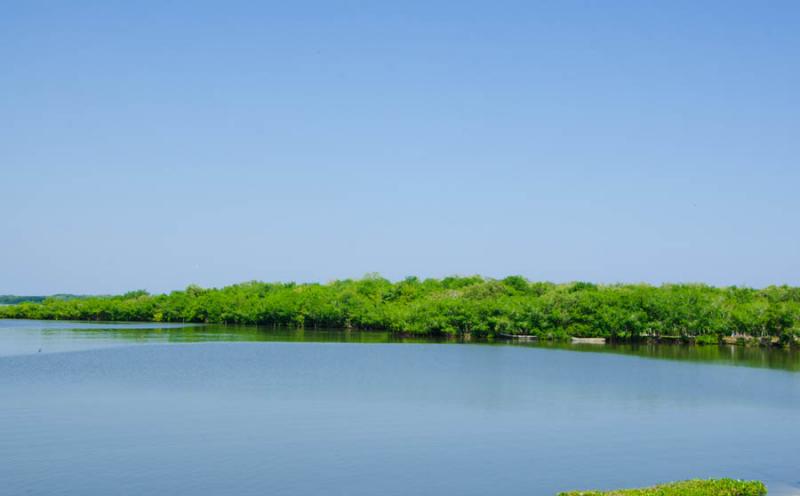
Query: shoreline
{"x": 738, "y": 340}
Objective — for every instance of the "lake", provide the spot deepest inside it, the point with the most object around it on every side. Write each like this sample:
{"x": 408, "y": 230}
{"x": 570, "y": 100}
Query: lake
{"x": 131, "y": 409}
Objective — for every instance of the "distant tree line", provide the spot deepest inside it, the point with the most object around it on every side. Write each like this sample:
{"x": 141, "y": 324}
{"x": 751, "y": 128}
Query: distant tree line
{"x": 14, "y": 299}
{"x": 455, "y": 305}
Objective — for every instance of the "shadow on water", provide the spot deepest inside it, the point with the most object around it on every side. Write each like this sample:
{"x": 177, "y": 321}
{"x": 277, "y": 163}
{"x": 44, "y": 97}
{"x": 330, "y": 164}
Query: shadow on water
{"x": 772, "y": 358}
{"x": 122, "y": 333}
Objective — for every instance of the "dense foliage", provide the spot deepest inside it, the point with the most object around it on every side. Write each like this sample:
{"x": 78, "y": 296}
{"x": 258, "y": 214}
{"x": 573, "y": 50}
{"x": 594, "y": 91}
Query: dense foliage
{"x": 459, "y": 305}
{"x": 718, "y": 487}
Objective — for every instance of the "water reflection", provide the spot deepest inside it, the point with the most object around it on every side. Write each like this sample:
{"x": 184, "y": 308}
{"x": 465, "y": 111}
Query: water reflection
{"x": 25, "y": 336}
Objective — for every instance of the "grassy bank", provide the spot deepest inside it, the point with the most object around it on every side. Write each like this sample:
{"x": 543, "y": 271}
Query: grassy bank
{"x": 457, "y": 305}
{"x": 717, "y": 487}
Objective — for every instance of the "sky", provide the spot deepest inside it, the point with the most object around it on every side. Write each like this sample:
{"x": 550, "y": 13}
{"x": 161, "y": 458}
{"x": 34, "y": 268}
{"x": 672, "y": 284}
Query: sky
{"x": 156, "y": 144}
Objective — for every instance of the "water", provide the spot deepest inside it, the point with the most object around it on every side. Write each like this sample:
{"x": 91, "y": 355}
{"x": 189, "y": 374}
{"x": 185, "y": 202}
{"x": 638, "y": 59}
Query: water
{"x": 206, "y": 411}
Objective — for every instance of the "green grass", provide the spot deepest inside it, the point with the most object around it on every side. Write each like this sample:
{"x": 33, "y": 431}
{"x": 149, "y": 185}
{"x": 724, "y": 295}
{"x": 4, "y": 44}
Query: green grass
{"x": 712, "y": 487}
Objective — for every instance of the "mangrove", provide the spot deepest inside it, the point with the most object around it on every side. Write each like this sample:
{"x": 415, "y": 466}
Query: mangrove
{"x": 472, "y": 305}
{"x": 711, "y": 487}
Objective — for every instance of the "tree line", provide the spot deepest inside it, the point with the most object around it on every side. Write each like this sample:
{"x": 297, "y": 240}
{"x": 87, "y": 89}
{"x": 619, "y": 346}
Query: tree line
{"x": 456, "y": 305}
{"x": 14, "y": 299}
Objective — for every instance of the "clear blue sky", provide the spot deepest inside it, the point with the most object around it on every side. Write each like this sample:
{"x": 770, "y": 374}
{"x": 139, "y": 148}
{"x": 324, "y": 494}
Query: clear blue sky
{"x": 157, "y": 144}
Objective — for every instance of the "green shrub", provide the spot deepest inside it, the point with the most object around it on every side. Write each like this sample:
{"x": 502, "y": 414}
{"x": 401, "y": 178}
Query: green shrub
{"x": 712, "y": 487}
{"x": 707, "y": 339}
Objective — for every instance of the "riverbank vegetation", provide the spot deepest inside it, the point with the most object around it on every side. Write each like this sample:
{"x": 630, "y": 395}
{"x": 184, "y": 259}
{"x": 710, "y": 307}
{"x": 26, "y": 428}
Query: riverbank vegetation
{"x": 461, "y": 305}
{"x": 713, "y": 487}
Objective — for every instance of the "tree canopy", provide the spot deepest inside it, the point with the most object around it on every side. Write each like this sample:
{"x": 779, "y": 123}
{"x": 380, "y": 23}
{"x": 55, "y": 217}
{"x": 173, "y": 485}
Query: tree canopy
{"x": 456, "y": 305}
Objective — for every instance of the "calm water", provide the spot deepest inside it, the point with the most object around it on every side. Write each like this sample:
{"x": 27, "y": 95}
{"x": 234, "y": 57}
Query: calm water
{"x": 119, "y": 409}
